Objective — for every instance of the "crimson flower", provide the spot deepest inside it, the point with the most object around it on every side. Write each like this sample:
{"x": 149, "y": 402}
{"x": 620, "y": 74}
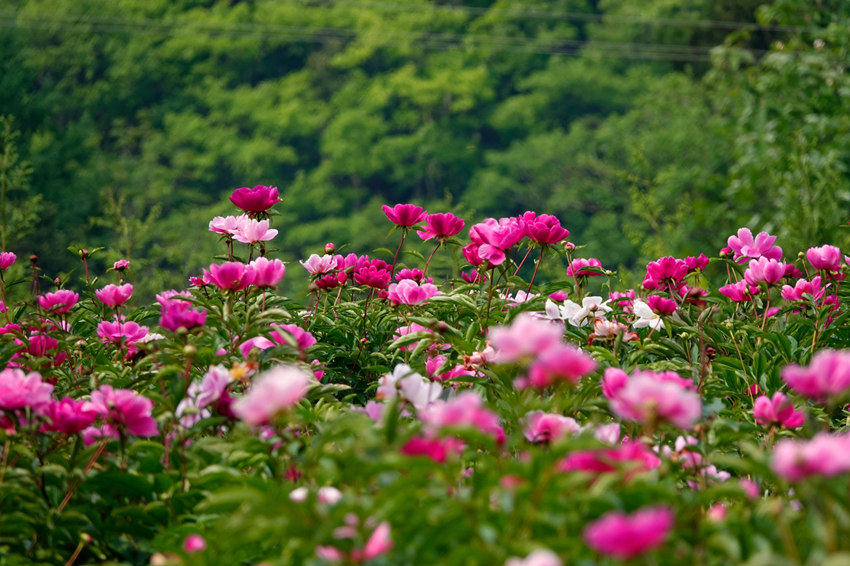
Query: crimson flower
{"x": 259, "y": 199}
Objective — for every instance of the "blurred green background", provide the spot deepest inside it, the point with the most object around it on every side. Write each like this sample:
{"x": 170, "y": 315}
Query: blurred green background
{"x": 648, "y": 127}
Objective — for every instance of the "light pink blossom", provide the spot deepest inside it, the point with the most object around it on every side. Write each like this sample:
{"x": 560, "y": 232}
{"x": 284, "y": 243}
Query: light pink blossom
{"x": 548, "y": 427}
{"x": 251, "y": 231}
{"x": 409, "y": 292}
{"x": 267, "y": 272}
{"x": 540, "y": 557}
{"x": 273, "y": 392}
{"x": 646, "y": 400}
{"x": 825, "y": 258}
{"x": 763, "y": 269}
{"x": 526, "y": 338}
{"x": 827, "y": 375}
{"x": 58, "y": 302}
{"x": 745, "y": 246}
{"x": 824, "y": 455}
{"x": 19, "y": 390}
{"x": 114, "y": 295}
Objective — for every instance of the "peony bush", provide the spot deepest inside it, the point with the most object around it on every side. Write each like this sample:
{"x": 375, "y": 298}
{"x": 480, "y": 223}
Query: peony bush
{"x": 410, "y": 414}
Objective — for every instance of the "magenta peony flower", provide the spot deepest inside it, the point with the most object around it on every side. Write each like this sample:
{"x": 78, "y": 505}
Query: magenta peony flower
{"x": 376, "y": 274}
{"x": 194, "y": 543}
{"x": 231, "y": 275}
{"x": 824, "y": 455}
{"x": 627, "y": 536}
{"x": 696, "y": 263}
{"x": 125, "y": 410}
{"x": 405, "y": 215}
{"x": 259, "y": 199}
{"x": 631, "y": 455}
{"x": 69, "y": 416}
{"x": 250, "y": 231}
{"x": 665, "y": 272}
{"x": 661, "y": 305}
{"x": 548, "y": 427}
{"x": 763, "y": 269}
{"x": 292, "y": 334}
{"x": 58, "y": 302}
{"x": 7, "y": 259}
{"x": 777, "y": 409}
{"x": 543, "y": 229}
{"x": 578, "y": 267}
{"x": 114, "y": 295}
{"x": 825, "y": 258}
{"x": 740, "y": 292}
{"x": 803, "y": 287}
{"x": 559, "y": 362}
{"x": 121, "y": 265}
{"x": 437, "y": 449}
{"x": 19, "y": 390}
{"x": 415, "y": 274}
{"x": 646, "y": 399}
{"x": 465, "y": 410}
{"x": 441, "y": 225}
{"x": 177, "y": 314}
{"x": 267, "y": 272}
{"x": 744, "y": 246}
{"x": 827, "y": 375}
{"x": 121, "y": 332}
{"x": 409, "y": 292}
{"x": 526, "y": 338}
{"x": 492, "y": 237}
{"x": 613, "y": 381}
{"x": 273, "y": 392}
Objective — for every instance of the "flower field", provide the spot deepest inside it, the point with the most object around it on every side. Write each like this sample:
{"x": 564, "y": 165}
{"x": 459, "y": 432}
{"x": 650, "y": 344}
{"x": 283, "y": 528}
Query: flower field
{"x": 408, "y": 412}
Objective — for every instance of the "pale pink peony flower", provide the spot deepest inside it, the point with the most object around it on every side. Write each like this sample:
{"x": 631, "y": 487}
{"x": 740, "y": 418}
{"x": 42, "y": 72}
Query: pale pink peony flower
{"x": 526, "y": 338}
{"x": 824, "y": 455}
{"x": 58, "y": 302}
{"x": 409, "y": 292}
{"x": 627, "y": 536}
{"x": 465, "y": 410}
{"x": 745, "y": 246}
{"x": 645, "y": 399}
{"x": 259, "y": 199}
{"x": 548, "y": 427}
{"x": 779, "y": 410}
{"x": 227, "y": 225}
{"x": 763, "y": 269}
{"x": 826, "y": 376}
{"x": 251, "y": 231}
{"x": 273, "y": 392}
{"x": 125, "y": 410}
{"x": 540, "y": 557}
{"x": 318, "y": 265}
{"x": 408, "y": 385}
{"x": 114, "y": 295}
{"x": 561, "y": 362}
{"x": 825, "y": 258}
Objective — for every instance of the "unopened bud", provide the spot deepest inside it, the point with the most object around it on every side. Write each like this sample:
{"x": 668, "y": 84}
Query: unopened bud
{"x": 330, "y": 248}
{"x": 569, "y": 246}
{"x": 189, "y": 350}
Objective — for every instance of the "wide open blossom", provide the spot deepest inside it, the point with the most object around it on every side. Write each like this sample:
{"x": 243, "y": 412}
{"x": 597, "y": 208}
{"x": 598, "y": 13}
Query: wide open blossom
{"x": 526, "y": 338}
{"x": 578, "y": 267}
{"x": 259, "y": 199}
{"x": 58, "y": 302}
{"x": 251, "y": 231}
{"x": 646, "y": 400}
{"x": 590, "y": 309}
{"x": 465, "y": 410}
{"x": 409, "y": 292}
{"x": 627, "y": 536}
{"x": 744, "y": 246}
{"x": 125, "y": 410}
{"x": 825, "y": 258}
{"x": 827, "y": 375}
{"x": 231, "y": 275}
{"x": 740, "y": 292}
{"x": 544, "y": 229}
{"x": 777, "y": 410}
{"x": 273, "y": 392}
{"x": 318, "y": 265}
{"x": 128, "y": 333}
{"x": 803, "y": 287}
{"x": 409, "y": 386}
{"x": 267, "y": 272}
{"x": 441, "y": 225}
{"x": 493, "y": 237}
{"x": 19, "y": 390}
{"x": 68, "y": 416}
{"x": 763, "y": 269}
{"x": 665, "y": 272}
{"x": 560, "y": 362}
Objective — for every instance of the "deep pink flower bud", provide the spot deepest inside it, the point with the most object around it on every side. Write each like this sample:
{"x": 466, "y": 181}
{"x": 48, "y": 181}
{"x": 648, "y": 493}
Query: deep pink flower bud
{"x": 7, "y": 259}
{"x": 259, "y": 199}
{"x": 329, "y": 248}
{"x": 231, "y": 275}
{"x": 777, "y": 409}
{"x": 114, "y": 295}
{"x": 58, "y": 302}
{"x": 441, "y": 225}
{"x": 627, "y": 536}
{"x": 578, "y": 267}
{"x": 826, "y": 258}
{"x": 405, "y": 215}
{"x": 121, "y": 265}
{"x": 267, "y": 272}
{"x": 194, "y": 543}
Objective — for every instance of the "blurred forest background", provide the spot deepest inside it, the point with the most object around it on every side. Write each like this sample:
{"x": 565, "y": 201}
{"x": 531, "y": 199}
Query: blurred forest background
{"x": 648, "y": 127}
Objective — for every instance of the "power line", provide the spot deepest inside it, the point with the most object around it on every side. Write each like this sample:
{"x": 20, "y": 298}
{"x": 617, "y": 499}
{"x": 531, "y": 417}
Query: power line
{"x": 570, "y": 16}
{"x": 671, "y": 52}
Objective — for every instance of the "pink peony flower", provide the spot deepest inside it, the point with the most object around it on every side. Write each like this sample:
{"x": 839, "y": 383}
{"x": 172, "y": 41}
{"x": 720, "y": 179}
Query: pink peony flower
{"x": 548, "y": 427}
{"x": 632, "y": 456}
{"x": 665, "y": 272}
{"x": 825, "y": 258}
{"x": 68, "y": 416}
{"x": 803, "y": 287}
{"x": 227, "y": 225}
{"x": 19, "y": 390}
{"x": 379, "y": 542}
{"x": 613, "y": 381}
{"x": 259, "y": 199}
{"x": 578, "y": 267}
{"x": 119, "y": 331}
{"x": 376, "y": 274}
{"x": 827, "y": 375}
{"x": 293, "y": 335}
{"x": 231, "y": 275}
{"x": 645, "y": 399}
{"x": 273, "y": 392}
{"x": 405, "y": 215}
{"x": 441, "y": 225}
{"x": 121, "y": 265}
{"x": 561, "y": 362}
{"x": 526, "y": 338}
{"x": 436, "y": 449}
{"x": 124, "y": 409}
{"x": 114, "y": 295}
{"x": 777, "y": 409}
{"x": 544, "y": 229}
{"x": 661, "y": 305}
{"x": 740, "y": 292}
{"x": 492, "y": 237}
{"x": 745, "y": 246}
{"x": 472, "y": 277}
{"x": 763, "y": 269}
{"x": 58, "y": 302}
{"x": 178, "y": 313}
{"x": 627, "y": 536}
{"x": 540, "y": 557}
{"x": 7, "y": 259}
{"x": 824, "y": 455}
{"x": 696, "y": 263}
{"x": 465, "y": 410}
{"x": 413, "y": 274}
{"x": 409, "y": 292}
{"x": 267, "y": 272}
{"x": 251, "y": 231}
{"x": 194, "y": 543}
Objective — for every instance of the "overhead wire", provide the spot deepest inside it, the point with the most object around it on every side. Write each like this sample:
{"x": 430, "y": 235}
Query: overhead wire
{"x": 444, "y": 41}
